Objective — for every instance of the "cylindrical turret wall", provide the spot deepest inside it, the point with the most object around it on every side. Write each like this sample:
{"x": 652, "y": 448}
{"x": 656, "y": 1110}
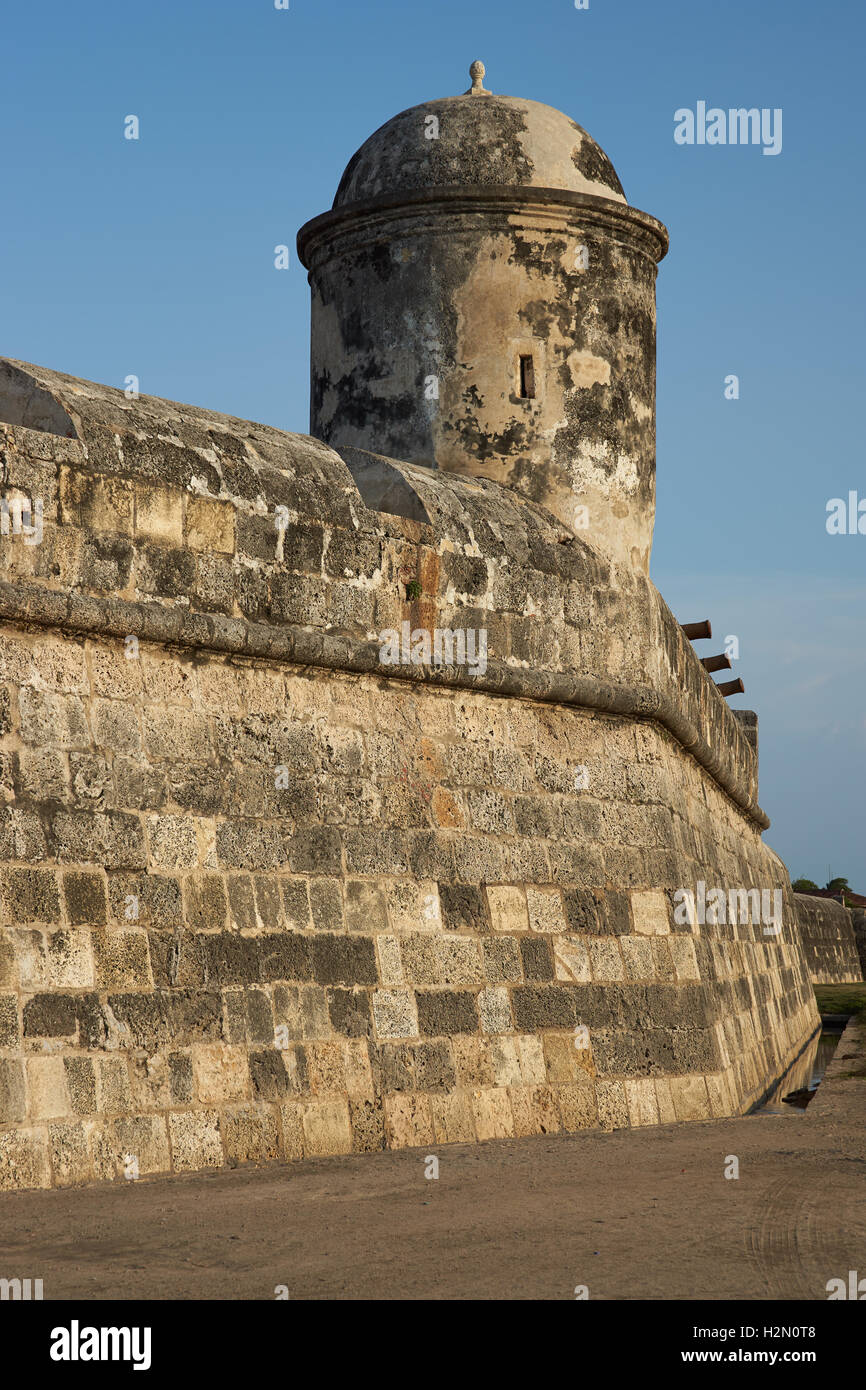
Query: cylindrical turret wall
{"x": 500, "y": 331}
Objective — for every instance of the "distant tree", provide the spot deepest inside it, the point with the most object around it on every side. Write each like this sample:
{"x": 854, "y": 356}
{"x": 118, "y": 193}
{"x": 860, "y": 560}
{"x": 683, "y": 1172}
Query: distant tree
{"x": 838, "y": 885}
{"x": 804, "y": 885}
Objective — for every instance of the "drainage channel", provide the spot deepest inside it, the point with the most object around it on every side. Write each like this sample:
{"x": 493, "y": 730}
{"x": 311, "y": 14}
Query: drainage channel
{"x": 802, "y": 1079}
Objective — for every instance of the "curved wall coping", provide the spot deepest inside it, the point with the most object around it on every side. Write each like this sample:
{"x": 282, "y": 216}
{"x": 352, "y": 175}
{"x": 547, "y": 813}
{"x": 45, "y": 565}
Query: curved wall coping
{"x": 650, "y": 233}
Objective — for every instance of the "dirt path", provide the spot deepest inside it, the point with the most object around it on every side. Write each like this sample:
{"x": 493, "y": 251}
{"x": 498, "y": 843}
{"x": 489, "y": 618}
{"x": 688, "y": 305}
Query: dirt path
{"x": 644, "y": 1214}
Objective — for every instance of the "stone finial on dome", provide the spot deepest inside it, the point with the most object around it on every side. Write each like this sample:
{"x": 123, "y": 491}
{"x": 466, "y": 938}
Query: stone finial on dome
{"x": 477, "y": 72}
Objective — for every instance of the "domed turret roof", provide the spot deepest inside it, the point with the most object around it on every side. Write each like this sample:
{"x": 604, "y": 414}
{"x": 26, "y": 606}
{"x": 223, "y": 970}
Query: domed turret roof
{"x": 478, "y": 138}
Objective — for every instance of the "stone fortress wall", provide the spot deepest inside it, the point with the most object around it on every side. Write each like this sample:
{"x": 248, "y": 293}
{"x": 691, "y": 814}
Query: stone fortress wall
{"x": 858, "y": 923}
{"x": 830, "y": 943}
{"x": 265, "y": 896}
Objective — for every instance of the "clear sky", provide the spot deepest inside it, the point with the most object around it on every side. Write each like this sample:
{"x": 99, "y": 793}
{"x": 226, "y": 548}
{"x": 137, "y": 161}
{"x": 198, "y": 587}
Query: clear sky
{"x": 156, "y": 258}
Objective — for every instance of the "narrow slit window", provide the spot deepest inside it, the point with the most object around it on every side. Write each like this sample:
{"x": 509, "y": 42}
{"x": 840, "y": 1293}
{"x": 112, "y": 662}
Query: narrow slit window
{"x": 527, "y": 378}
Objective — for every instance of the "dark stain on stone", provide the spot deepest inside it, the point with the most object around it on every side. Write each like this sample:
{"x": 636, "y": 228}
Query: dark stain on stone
{"x": 478, "y": 142}
{"x": 594, "y": 164}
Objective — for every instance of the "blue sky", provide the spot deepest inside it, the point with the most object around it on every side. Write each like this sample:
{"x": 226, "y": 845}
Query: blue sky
{"x": 155, "y": 258}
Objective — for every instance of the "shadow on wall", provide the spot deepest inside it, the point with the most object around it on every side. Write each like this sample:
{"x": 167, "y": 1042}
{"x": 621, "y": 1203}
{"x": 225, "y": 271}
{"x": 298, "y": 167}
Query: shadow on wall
{"x": 24, "y": 403}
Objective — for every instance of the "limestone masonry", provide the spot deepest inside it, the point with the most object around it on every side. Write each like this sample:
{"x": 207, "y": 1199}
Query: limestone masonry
{"x": 834, "y": 948}
{"x": 268, "y": 891}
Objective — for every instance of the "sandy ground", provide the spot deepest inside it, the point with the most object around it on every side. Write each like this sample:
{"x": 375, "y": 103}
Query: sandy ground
{"x": 644, "y": 1214}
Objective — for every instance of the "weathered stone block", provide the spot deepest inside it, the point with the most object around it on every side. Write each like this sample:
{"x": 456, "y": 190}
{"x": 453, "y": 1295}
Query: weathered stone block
{"x": 269, "y": 902}
{"x": 491, "y": 1110}
{"x": 420, "y": 959}
{"x": 204, "y": 898}
{"x": 325, "y": 1068}
{"x": 116, "y": 726}
{"x": 30, "y": 895}
{"x": 164, "y": 571}
{"x": 71, "y": 1160}
{"x": 508, "y": 910}
{"x": 81, "y": 1084}
{"x": 327, "y": 1129}
{"x": 368, "y": 1126}
{"x": 537, "y": 958}
{"x": 180, "y": 1078}
{"x": 121, "y": 960}
{"x": 210, "y": 526}
{"x": 50, "y": 1016}
{"x": 96, "y": 503}
{"x": 651, "y": 913}
{"x": 114, "y": 1094}
{"x": 392, "y": 1067}
{"x": 39, "y": 774}
{"x": 69, "y": 960}
{"x": 365, "y": 907}
{"x": 358, "y": 1070}
{"x": 395, "y": 1013}
{"x": 141, "y": 1142}
{"x": 664, "y": 1099}
{"x": 572, "y": 959}
{"x": 682, "y": 950}
{"x": 326, "y": 904}
{"x": 195, "y": 1140}
{"x": 537, "y": 1007}
{"x": 494, "y": 1008}
{"x": 242, "y": 903}
{"x": 641, "y": 1101}
{"x": 562, "y": 1058}
{"x": 350, "y": 1012}
{"x": 504, "y": 1061}
{"x": 10, "y": 1034}
{"x": 296, "y": 903}
{"x": 690, "y": 1097}
{"x": 612, "y": 1105}
{"x": 173, "y": 842}
{"x": 231, "y": 959}
{"x": 113, "y": 838}
{"x": 221, "y": 1073}
{"x": 24, "y": 1159}
{"x": 250, "y": 1134}
{"x": 545, "y": 910}
{"x": 408, "y": 1121}
{"x": 85, "y": 899}
{"x": 150, "y": 900}
{"x": 380, "y": 851}
{"x": 605, "y": 959}
{"x": 315, "y": 850}
{"x": 459, "y": 961}
{"x": 577, "y": 1106}
{"x": 721, "y": 1102}
{"x": 434, "y": 1068}
{"x": 531, "y": 1056}
{"x": 13, "y": 1099}
{"x": 270, "y": 1076}
{"x": 46, "y": 1086}
{"x": 159, "y": 514}
{"x": 48, "y": 719}
{"x": 343, "y": 960}
{"x": 444, "y": 1012}
{"x": 638, "y": 957}
{"x": 502, "y": 959}
{"x": 413, "y": 907}
{"x": 452, "y": 1118}
{"x": 389, "y": 958}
